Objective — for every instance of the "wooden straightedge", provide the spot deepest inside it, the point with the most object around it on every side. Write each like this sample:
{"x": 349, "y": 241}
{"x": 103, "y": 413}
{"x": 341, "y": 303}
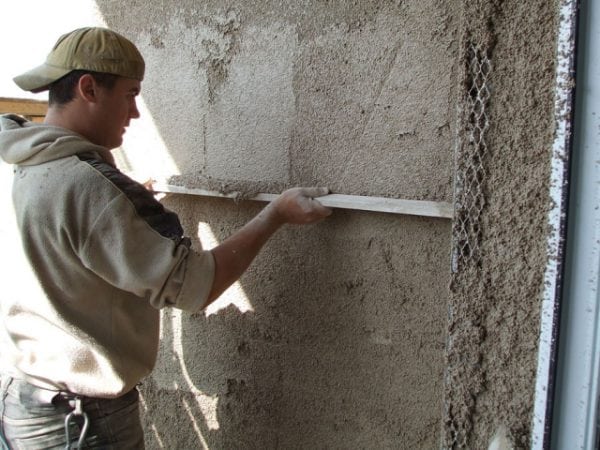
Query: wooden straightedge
{"x": 363, "y": 203}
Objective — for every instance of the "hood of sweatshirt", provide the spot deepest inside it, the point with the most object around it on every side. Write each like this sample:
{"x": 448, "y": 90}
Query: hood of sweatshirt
{"x": 28, "y": 144}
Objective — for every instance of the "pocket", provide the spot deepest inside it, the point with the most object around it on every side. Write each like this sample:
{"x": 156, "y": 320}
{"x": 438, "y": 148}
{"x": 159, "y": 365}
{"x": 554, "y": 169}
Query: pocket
{"x": 27, "y": 401}
{"x": 33, "y": 431}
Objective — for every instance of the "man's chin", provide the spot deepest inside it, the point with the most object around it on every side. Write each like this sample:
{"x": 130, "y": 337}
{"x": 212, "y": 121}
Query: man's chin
{"x": 115, "y": 144}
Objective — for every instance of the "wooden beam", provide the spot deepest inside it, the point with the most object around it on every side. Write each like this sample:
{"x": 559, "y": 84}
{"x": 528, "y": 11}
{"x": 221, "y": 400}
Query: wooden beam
{"x": 377, "y": 204}
{"x": 23, "y": 107}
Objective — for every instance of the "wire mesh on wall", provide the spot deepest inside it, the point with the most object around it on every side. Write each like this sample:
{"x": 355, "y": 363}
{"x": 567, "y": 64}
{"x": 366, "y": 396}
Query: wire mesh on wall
{"x": 470, "y": 170}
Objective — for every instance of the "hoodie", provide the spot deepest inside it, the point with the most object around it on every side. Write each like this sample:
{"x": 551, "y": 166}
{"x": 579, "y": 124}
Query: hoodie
{"x": 103, "y": 257}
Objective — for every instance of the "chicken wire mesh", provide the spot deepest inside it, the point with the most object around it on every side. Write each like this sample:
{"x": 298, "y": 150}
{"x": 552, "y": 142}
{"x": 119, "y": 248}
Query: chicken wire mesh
{"x": 469, "y": 199}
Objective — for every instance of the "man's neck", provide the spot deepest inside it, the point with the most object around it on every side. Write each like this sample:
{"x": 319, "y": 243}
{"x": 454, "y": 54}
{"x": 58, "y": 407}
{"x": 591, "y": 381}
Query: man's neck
{"x": 67, "y": 116}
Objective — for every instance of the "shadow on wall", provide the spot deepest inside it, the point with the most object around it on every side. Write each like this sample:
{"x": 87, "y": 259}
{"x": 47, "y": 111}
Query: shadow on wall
{"x": 343, "y": 348}
{"x": 343, "y": 345}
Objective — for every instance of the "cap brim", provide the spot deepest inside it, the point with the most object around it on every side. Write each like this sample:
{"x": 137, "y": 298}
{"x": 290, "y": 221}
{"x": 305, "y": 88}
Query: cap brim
{"x": 38, "y": 79}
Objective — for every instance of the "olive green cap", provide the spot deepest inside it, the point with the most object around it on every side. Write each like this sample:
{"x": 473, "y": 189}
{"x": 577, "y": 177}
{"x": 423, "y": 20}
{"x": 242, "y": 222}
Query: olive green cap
{"x": 94, "y": 49}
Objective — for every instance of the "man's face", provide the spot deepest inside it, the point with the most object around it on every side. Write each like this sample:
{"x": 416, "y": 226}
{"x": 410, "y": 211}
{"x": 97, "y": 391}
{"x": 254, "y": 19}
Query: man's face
{"x": 114, "y": 110}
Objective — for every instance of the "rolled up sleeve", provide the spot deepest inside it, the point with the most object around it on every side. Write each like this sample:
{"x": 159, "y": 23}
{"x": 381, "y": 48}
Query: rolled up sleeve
{"x": 125, "y": 251}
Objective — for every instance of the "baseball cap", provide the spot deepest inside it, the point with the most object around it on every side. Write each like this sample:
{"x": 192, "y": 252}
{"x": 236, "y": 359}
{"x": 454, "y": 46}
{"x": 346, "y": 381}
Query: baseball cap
{"x": 92, "y": 48}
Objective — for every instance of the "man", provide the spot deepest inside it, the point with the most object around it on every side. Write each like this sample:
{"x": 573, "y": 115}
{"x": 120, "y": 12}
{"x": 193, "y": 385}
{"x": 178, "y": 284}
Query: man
{"x": 106, "y": 255}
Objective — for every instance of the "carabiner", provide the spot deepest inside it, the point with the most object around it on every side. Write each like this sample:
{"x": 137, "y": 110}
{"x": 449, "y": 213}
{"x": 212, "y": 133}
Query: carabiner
{"x": 78, "y": 411}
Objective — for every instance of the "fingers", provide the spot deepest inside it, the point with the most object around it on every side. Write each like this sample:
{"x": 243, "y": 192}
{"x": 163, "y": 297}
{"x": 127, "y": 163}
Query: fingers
{"x": 298, "y": 205}
{"x": 318, "y": 207}
{"x": 314, "y": 191}
{"x": 149, "y": 184}
{"x": 313, "y": 209}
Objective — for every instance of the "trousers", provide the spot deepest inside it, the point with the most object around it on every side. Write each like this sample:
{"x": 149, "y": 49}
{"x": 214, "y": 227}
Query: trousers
{"x": 33, "y": 418}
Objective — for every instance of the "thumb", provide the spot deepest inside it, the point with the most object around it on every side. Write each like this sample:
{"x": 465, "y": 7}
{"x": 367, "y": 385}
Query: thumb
{"x": 311, "y": 194}
{"x": 319, "y": 209}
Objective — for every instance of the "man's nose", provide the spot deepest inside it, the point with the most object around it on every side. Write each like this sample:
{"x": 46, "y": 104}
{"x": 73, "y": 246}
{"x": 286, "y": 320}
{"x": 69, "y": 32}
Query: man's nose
{"x": 134, "y": 112}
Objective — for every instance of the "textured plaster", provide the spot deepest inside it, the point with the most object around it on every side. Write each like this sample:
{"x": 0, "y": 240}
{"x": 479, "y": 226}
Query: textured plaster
{"x": 342, "y": 346}
{"x": 340, "y": 343}
{"x": 495, "y": 305}
{"x": 360, "y": 98}
{"x": 336, "y": 336}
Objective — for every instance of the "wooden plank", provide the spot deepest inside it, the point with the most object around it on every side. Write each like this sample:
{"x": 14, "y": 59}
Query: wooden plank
{"x": 389, "y": 205}
{"x": 363, "y": 203}
{"x": 24, "y": 107}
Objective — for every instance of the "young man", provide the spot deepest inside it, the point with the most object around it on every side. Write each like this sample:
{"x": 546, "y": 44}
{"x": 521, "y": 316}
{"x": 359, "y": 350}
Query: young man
{"x": 105, "y": 254}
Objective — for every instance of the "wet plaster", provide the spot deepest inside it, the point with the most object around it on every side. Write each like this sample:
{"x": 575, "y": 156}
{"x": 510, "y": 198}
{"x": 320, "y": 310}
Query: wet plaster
{"x": 494, "y": 305}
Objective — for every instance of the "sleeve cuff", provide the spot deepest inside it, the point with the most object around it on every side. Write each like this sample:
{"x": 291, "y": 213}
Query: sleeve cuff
{"x": 199, "y": 276}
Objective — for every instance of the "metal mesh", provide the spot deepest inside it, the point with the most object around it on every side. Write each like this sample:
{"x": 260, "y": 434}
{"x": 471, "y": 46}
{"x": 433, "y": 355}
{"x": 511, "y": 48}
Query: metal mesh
{"x": 470, "y": 171}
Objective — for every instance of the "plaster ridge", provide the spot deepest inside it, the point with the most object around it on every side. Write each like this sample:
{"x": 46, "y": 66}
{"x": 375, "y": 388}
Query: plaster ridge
{"x": 465, "y": 378}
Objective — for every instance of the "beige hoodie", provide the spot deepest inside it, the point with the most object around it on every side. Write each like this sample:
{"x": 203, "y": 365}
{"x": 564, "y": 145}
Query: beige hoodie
{"x": 105, "y": 257}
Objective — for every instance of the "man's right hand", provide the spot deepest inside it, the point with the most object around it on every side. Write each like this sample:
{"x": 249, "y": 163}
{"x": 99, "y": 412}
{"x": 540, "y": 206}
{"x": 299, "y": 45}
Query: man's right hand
{"x": 299, "y": 206}
{"x": 234, "y": 255}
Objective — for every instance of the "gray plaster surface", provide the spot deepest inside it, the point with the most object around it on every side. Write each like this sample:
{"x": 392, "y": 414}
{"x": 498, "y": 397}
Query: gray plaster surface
{"x": 344, "y": 343}
{"x": 495, "y": 303}
{"x": 342, "y": 347}
{"x": 359, "y": 98}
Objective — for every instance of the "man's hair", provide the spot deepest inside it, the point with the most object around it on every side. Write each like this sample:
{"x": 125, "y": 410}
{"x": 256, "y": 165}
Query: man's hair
{"x": 62, "y": 91}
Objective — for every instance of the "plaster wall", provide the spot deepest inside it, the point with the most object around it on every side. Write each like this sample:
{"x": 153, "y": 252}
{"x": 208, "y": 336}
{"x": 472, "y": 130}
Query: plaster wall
{"x": 495, "y": 303}
{"x": 335, "y": 337}
{"x": 338, "y": 341}
{"x": 366, "y": 98}
{"x": 360, "y": 98}
{"x": 351, "y": 333}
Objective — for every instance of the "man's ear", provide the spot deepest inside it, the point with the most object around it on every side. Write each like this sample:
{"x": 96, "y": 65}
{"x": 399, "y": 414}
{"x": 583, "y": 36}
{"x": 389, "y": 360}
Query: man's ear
{"x": 87, "y": 88}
